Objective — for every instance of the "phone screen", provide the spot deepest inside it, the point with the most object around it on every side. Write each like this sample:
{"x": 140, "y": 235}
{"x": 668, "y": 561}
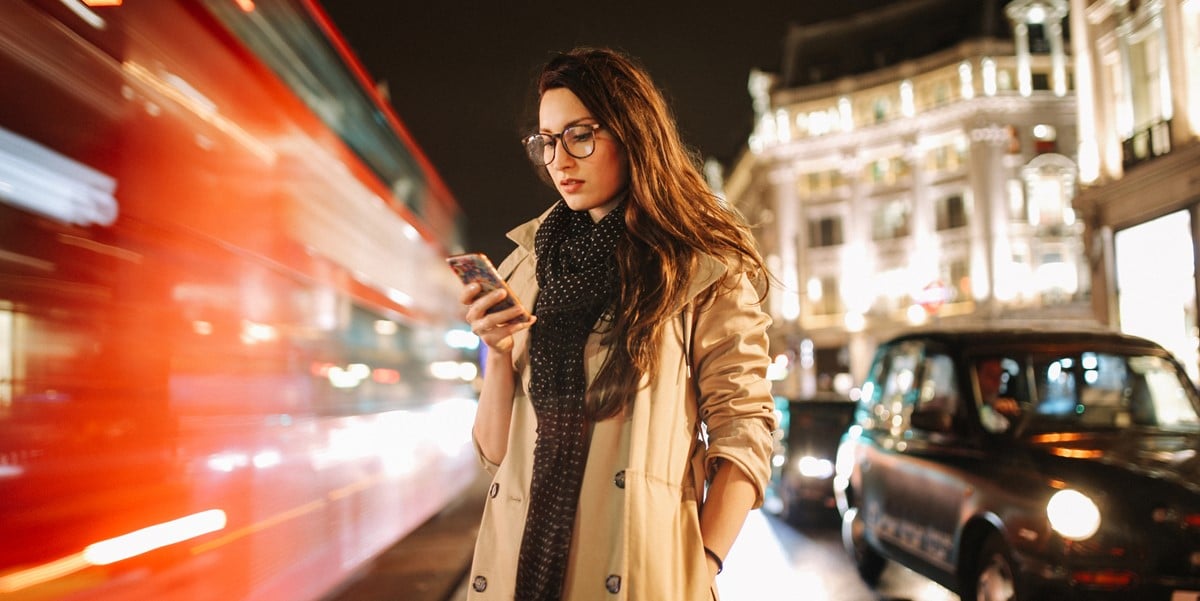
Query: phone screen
{"x": 476, "y": 267}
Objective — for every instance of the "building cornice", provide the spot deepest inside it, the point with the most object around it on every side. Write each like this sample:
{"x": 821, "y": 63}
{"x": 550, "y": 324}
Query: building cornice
{"x": 980, "y": 112}
{"x": 973, "y": 50}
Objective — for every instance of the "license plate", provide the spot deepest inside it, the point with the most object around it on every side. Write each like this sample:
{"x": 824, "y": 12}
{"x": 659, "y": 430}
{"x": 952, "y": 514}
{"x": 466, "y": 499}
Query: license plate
{"x": 1185, "y": 596}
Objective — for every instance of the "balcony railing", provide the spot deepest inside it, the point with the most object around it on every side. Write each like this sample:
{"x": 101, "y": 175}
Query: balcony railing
{"x": 1147, "y": 143}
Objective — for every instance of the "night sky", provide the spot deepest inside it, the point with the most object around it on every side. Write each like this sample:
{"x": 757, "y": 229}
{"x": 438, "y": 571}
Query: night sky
{"x": 460, "y": 76}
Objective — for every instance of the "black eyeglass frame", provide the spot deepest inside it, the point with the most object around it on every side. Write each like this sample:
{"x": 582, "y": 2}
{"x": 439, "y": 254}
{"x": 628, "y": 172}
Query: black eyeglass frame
{"x": 556, "y": 141}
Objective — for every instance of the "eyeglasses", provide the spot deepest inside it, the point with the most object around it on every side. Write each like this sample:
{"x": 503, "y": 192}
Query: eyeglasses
{"x": 578, "y": 140}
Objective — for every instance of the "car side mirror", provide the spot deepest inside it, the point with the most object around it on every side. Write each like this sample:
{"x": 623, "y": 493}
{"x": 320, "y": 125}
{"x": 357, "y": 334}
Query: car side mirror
{"x": 931, "y": 420}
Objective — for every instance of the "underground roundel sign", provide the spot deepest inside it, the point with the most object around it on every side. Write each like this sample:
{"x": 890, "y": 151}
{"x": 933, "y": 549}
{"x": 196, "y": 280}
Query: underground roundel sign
{"x": 933, "y": 296}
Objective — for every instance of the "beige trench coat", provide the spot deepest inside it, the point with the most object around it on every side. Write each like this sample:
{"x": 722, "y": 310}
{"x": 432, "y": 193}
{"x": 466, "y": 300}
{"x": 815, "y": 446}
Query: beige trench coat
{"x": 637, "y": 530}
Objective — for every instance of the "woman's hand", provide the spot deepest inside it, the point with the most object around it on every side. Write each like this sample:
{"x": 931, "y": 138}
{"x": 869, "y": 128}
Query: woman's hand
{"x": 494, "y": 329}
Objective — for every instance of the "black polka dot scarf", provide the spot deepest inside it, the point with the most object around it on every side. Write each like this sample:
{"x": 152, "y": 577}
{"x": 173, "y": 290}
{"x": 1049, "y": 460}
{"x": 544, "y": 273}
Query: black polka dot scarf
{"x": 577, "y": 277}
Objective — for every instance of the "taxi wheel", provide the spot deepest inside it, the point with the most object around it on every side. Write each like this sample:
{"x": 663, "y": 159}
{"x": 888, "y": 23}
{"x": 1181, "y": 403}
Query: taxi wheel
{"x": 995, "y": 579}
{"x": 867, "y": 561}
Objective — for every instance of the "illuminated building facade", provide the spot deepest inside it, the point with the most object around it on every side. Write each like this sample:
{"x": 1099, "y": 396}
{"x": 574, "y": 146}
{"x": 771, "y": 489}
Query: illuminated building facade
{"x": 1138, "y": 76}
{"x": 910, "y": 164}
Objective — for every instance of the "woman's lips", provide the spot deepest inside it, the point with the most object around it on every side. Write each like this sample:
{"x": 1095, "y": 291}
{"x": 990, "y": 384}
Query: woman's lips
{"x": 570, "y": 186}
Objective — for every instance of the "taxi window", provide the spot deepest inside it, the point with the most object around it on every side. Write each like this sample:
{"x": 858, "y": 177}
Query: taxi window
{"x": 891, "y": 385}
{"x": 1003, "y": 392}
{"x": 1095, "y": 390}
{"x": 938, "y": 389}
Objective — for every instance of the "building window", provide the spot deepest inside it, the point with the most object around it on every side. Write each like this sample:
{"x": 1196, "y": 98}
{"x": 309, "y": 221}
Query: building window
{"x": 1050, "y": 187}
{"x": 943, "y": 159}
{"x": 1045, "y": 138}
{"x": 888, "y": 170}
{"x": 816, "y": 183}
{"x": 1146, "y": 58}
{"x": 890, "y": 221}
{"x": 959, "y": 278}
{"x": 951, "y": 213}
{"x": 880, "y": 110}
{"x": 1191, "y": 58}
{"x": 1038, "y": 42}
{"x": 823, "y": 295}
{"x": 825, "y": 231}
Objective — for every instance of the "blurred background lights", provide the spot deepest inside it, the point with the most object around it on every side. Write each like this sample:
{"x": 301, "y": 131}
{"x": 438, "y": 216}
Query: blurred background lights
{"x": 154, "y": 537}
{"x": 454, "y": 370}
{"x": 386, "y": 327}
{"x": 778, "y": 368}
{"x": 462, "y": 339}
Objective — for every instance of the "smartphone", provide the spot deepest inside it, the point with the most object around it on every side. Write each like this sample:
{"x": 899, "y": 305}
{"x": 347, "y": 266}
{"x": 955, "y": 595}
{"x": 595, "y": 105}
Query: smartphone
{"x": 476, "y": 267}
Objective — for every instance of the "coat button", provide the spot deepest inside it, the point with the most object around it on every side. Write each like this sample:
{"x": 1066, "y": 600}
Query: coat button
{"x": 493, "y": 490}
{"x": 613, "y": 583}
{"x": 619, "y": 480}
{"x": 479, "y": 584}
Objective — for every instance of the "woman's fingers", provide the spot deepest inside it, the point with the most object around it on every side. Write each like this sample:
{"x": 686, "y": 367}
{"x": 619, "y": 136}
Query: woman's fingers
{"x": 494, "y": 329}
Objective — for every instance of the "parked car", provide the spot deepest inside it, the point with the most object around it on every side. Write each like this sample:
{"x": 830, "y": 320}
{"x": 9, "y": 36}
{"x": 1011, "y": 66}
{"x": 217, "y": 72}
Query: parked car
{"x": 804, "y": 482}
{"x": 1023, "y": 464}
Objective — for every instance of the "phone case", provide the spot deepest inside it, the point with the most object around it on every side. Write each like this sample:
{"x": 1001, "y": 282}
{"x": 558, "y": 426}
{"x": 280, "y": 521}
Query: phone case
{"x": 476, "y": 267}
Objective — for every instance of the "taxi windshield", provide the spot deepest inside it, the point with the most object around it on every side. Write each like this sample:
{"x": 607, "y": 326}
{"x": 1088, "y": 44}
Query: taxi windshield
{"x": 1096, "y": 390}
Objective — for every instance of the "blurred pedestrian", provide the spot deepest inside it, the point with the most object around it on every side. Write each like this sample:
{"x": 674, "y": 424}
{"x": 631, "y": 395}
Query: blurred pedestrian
{"x": 646, "y": 290}
{"x": 997, "y": 410}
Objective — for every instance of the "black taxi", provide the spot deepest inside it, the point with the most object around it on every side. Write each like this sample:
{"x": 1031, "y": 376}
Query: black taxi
{"x": 1026, "y": 463}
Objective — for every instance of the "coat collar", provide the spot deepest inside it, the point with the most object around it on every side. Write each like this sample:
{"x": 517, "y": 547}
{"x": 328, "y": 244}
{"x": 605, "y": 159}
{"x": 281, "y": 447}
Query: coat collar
{"x": 708, "y": 269}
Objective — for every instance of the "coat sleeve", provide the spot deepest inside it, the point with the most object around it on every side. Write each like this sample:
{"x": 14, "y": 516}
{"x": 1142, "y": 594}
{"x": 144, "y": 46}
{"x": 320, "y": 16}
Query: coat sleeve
{"x": 730, "y": 355}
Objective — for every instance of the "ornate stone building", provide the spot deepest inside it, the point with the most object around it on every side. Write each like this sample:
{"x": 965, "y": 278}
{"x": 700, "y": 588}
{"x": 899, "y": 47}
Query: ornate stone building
{"x": 1138, "y": 78}
{"x": 913, "y": 163}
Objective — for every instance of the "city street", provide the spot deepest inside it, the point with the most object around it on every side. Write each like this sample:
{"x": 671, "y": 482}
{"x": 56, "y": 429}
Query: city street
{"x": 770, "y": 561}
{"x": 773, "y": 560}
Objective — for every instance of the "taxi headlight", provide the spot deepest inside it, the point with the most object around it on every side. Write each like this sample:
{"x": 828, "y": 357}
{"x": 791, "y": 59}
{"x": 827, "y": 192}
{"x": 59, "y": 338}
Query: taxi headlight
{"x": 1073, "y": 515}
{"x": 814, "y": 467}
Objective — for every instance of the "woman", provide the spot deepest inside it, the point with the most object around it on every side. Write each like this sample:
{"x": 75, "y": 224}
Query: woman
{"x": 647, "y": 323}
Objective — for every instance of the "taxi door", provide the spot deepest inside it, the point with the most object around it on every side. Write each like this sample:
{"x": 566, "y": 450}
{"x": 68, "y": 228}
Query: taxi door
{"x": 936, "y": 455}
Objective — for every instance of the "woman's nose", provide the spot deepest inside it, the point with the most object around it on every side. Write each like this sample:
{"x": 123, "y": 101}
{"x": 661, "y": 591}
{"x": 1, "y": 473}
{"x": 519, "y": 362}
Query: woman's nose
{"x": 562, "y": 158}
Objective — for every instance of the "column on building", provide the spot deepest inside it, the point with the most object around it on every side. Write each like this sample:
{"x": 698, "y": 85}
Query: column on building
{"x": 788, "y": 217}
{"x": 991, "y": 255}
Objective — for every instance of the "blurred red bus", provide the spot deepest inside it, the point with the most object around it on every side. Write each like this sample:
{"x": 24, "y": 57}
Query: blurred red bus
{"x": 222, "y": 306}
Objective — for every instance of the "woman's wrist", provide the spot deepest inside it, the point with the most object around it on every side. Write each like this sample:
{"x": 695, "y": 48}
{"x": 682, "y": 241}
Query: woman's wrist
{"x": 716, "y": 559}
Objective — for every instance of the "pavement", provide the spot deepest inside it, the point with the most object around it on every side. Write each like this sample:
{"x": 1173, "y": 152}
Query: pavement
{"x": 431, "y": 563}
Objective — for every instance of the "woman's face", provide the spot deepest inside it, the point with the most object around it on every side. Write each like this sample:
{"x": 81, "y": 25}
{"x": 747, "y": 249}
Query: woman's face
{"x": 592, "y": 183}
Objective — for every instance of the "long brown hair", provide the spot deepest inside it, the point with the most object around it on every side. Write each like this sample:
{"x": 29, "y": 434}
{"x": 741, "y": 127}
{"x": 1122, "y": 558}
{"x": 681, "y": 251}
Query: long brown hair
{"x": 671, "y": 215}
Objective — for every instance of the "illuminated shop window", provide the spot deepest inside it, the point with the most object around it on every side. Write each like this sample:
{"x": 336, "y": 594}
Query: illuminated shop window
{"x": 1159, "y": 302}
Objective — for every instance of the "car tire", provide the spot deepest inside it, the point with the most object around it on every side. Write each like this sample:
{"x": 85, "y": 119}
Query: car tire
{"x": 994, "y": 577}
{"x": 867, "y": 561}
